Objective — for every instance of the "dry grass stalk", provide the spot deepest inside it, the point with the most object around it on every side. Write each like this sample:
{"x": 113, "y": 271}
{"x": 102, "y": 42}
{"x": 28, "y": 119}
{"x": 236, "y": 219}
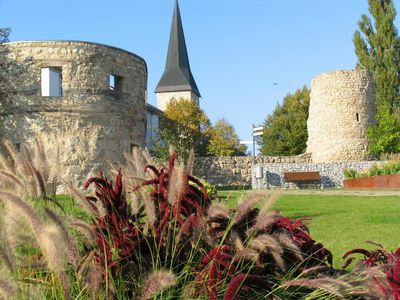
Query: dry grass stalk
{"x": 52, "y": 238}
{"x": 288, "y": 244}
{"x": 271, "y": 199}
{"x": 269, "y": 244}
{"x": 265, "y": 219}
{"x": 156, "y": 282}
{"x": 71, "y": 249}
{"x": 246, "y": 203}
{"x": 190, "y": 162}
{"x": 91, "y": 275}
{"x": 27, "y": 173}
{"x": 40, "y": 160}
{"x": 84, "y": 228}
{"x": 329, "y": 285}
{"x": 176, "y": 183}
{"x": 218, "y": 210}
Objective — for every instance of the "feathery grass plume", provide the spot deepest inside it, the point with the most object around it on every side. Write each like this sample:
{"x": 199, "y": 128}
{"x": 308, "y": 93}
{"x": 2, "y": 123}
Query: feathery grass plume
{"x": 16, "y": 231}
{"x": 190, "y": 162}
{"x": 271, "y": 199}
{"x": 176, "y": 184}
{"x": 40, "y": 160}
{"x": 265, "y": 219}
{"x": 84, "y": 228}
{"x": 24, "y": 172}
{"x": 287, "y": 243}
{"x": 71, "y": 249}
{"x": 246, "y": 203}
{"x": 91, "y": 274}
{"x": 7, "y": 289}
{"x": 156, "y": 282}
{"x": 49, "y": 237}
{"x": 133, "y": 200}
{"x": 268, "y": 244}
{"x": 330, "y": 285}
{"x": 218, "y": 210}
{"x": 52, "y": 245}
{"x": 247, "y": 254}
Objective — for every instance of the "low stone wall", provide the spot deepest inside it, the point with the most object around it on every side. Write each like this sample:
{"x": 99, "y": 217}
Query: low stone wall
{"x": 226, "y": 170}
{"x": 331, "y": 174}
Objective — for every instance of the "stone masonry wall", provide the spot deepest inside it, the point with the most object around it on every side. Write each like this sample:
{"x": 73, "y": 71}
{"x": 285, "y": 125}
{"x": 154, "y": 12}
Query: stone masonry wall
{"x": 331, "y": 174}
{"x": 342, "y": 107}
{"x": 227, "y": 170}
{"x": 89, "y": 124}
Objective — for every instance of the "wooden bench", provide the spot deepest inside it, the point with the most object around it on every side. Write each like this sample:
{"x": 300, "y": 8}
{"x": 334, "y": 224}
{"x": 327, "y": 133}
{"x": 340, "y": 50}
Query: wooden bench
{"x": 302, "y": 176}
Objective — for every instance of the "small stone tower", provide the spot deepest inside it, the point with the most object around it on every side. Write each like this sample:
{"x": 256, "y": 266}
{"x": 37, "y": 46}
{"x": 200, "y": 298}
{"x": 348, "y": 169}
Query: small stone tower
{"x": 86, "y": 101}
{"x": 342, "y": 107}
{"x": 177, "y": 80}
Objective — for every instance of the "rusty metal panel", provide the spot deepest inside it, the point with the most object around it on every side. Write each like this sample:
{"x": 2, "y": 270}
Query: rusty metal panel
{"x": 377, "y": 182}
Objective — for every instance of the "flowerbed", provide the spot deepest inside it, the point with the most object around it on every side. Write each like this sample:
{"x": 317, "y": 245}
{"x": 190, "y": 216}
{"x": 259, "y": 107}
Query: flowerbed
{"x": 153, "y": 233}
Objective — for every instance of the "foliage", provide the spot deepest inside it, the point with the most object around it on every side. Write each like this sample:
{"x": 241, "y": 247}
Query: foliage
{"x": 210, "y": 188}
{"x": 386, "y": 276}
{"x": 224, "y": 141}
{"x": 160, "y": 239}
{"x": 185, "y": 127}
{"x": 385, "y": 136}
{"x": 389, "y": 168}
{"x": 285, "y": 130}
{"x": 377, "y": 46}
{"x": 4, "y": 33}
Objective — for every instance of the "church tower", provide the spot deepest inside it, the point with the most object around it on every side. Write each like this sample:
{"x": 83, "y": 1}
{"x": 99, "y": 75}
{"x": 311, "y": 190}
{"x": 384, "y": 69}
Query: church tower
{"x": 177, "y": 80}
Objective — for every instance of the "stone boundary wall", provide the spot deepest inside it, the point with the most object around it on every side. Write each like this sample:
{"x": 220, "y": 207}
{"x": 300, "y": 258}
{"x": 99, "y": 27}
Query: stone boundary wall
{"x": 236, "y": 170}
{"x": 331, "y": 174}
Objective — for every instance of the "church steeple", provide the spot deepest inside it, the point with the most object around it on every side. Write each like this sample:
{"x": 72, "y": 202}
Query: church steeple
{"x": 177, "y": 78}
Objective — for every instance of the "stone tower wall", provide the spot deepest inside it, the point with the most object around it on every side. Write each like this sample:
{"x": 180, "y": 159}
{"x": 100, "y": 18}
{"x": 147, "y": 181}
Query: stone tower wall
{"x": 342, "y": 107}
{"x": 164, "y": 98}
{"x": 89, "y": 124}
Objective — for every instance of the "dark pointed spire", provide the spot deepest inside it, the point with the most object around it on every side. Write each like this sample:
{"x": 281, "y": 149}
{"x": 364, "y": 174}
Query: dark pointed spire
{"x": 177, "y": 75}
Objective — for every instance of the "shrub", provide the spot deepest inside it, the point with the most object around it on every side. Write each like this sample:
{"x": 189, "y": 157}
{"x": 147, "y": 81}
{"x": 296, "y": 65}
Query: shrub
{"x": 389, "y": 168}
{"x": 163, "y": 238}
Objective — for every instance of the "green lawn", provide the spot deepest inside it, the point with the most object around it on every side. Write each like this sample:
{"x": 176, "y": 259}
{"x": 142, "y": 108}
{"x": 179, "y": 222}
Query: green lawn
{"x": 342, "y": 223}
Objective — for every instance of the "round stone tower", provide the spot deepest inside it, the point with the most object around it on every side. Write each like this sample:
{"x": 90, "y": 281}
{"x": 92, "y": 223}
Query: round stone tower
{"x": 86, "y": 101}
{"x": 342, "y": 107}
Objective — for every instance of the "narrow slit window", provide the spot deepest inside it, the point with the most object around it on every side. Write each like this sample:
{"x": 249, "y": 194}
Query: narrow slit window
{"x": 115, "y": 83}
{"x": 358, "y": 117}
{"x": 51, "y": 82}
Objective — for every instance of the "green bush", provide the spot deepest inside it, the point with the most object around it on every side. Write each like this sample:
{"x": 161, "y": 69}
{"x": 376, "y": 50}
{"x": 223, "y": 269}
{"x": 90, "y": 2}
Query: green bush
{"x": 389, "y": 168}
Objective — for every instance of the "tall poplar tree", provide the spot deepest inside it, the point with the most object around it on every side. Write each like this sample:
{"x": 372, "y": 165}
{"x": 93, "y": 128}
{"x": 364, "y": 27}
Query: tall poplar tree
{"x": 377, "y": 46}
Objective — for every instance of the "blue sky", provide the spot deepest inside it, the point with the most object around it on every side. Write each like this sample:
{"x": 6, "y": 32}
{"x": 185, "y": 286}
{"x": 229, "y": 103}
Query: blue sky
{"x": 237, "y": 49}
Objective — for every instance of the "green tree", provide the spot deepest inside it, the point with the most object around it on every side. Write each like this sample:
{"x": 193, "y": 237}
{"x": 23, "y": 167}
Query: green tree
{"x": 377, "y": 46}
{"x": 224, "y": 141}
{"x": 185, "y": 126}
{"x": 285, "y": 130}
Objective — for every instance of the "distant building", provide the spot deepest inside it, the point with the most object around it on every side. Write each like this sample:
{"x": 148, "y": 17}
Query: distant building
{"x": 177, "y": 80}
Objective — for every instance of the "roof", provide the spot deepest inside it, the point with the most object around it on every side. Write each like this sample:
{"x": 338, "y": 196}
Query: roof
{"x": 177, "y": 75}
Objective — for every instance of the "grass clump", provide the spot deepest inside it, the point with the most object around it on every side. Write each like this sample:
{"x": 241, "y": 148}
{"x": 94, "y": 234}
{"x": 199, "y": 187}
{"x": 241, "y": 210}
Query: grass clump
{"x": 389, "y": 168}
{"x": 153, "y": 233}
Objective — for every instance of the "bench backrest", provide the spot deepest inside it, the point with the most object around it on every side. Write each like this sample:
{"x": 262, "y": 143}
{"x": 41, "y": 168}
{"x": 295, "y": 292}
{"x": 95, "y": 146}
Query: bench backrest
{"x": 301, "y": 176}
